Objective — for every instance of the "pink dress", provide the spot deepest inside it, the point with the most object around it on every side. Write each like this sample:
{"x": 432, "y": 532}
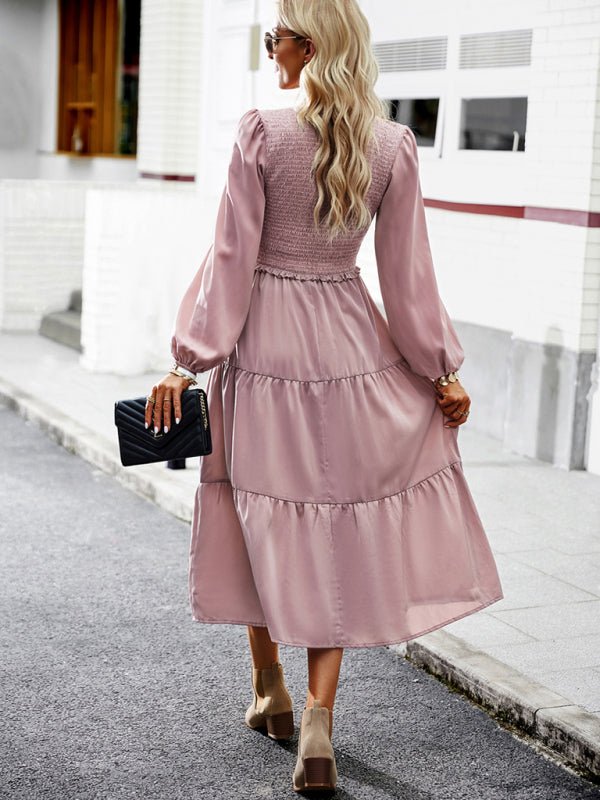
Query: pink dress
{"x": 333, "y": 508}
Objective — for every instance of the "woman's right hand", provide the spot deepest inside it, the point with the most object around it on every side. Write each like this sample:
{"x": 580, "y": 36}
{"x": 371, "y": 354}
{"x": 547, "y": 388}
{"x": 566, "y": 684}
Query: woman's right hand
{"x": 167, "y": 397}
{"x": 454, "y": 402}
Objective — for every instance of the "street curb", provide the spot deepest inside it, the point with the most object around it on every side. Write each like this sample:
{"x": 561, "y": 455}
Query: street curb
{"x": 151, "y": 481}
{"x": 541, "y": 713}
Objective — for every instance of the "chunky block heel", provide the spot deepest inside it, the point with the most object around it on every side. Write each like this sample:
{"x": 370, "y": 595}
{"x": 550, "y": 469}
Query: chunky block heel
{"x": 317, "y": 773}
{"x": 315, "y": 766}
{"x": 280, "y": 726}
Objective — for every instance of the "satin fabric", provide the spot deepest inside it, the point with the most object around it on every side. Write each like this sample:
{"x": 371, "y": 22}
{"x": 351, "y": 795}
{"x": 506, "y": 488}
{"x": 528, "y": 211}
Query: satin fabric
{"x": 334, "y": 508}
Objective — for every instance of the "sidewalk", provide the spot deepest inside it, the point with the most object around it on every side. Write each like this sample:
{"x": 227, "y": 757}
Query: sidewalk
{"x": 533, "y": 658}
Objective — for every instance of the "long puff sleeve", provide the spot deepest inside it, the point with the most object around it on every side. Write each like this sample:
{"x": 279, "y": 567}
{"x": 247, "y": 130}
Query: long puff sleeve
{"x": 214, "y": 308}
{"x": 417, "y": 318}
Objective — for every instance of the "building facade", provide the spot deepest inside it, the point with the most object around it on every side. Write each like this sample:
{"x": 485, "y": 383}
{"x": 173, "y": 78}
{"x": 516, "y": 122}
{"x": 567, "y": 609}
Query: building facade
{"x": 116, "y": 125}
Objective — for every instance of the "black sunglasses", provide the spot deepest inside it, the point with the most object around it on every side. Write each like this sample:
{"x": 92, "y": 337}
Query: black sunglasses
{"x": 272, "y": 40}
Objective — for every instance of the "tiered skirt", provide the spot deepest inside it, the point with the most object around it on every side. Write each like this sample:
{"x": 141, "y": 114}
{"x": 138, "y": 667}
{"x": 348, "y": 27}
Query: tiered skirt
{"x": 334, "y": 508}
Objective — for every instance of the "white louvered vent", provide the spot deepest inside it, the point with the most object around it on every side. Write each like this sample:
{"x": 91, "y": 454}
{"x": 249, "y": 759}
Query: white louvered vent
{"x": 495, "y": 49}
{"x": 410, "y": 55}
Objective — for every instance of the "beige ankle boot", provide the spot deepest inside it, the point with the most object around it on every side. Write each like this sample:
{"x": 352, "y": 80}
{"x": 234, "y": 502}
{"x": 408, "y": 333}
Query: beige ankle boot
{"x": 272, "y": 706}
{"x": 315, "y": 767}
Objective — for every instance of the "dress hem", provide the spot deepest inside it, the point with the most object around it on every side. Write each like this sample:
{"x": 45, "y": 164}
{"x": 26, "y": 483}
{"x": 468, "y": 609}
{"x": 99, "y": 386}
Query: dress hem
{"x": 209, "y": 621}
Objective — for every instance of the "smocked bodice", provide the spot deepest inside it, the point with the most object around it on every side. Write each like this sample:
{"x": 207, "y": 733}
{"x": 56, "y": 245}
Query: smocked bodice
{"x": 290, "y": 242}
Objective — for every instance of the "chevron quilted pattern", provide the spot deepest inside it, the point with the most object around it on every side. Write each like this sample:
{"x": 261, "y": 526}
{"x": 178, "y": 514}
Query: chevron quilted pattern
{"x": 188, "y": 439}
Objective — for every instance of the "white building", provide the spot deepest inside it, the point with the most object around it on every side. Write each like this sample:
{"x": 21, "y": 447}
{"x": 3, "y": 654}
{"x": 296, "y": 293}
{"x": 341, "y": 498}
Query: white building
{"x": 504, "y": 99}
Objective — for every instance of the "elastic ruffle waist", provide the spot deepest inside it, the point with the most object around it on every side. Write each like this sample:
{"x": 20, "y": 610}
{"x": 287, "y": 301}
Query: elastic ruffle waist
{"x": 310, "y": 274}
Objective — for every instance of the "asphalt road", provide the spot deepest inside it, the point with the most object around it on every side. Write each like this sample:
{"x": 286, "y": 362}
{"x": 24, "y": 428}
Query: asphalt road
{"x": 109, "y": 690}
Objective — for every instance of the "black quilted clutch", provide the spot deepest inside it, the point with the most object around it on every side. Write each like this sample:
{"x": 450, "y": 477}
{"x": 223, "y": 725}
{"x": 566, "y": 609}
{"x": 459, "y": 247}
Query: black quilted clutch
{"x": 138, "y": 445}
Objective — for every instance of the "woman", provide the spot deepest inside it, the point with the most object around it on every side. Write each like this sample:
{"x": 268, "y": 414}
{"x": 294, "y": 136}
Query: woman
{"x": 333, "y": 511}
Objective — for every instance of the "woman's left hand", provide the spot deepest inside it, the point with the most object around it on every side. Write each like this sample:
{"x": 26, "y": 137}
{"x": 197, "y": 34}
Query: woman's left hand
{"x": 454, "y": 402}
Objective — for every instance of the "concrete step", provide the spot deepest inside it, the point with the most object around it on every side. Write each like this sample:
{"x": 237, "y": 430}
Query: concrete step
{"x": 63, "y": 327}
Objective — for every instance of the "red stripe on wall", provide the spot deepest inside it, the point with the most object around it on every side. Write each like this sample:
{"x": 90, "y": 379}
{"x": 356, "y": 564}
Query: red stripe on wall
{"x": 566, "y": 216}
{"x": 165, "y": 176}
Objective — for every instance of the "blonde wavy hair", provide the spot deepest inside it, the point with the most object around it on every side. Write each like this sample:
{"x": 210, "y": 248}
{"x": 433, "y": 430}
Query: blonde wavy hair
{"x": 338, "y": 100}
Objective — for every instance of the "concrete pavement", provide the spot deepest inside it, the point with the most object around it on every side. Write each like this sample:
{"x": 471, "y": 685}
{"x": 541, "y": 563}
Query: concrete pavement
{"x": 111, "y": 691}
{"x": 533, "y": 658}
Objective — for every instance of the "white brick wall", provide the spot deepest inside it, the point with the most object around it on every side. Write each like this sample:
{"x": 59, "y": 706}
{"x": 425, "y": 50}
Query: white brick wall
{"x": 41, "y": 249}
{"x": 142, "y": 249}
{"x": 536, "y": 279}
{"x": 591, "y": 272}
{"x": 563, "y": 89}
{"x": 42, "y": 227}
{"x": 565, "y": 155}
{"x": 169, "y": 90}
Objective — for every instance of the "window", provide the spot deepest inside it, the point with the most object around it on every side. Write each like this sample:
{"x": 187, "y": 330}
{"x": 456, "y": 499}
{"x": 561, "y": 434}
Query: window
{"x": 99, "y": 72}
{"x": 421, "y": 115}
{"x": 493, "y": 123}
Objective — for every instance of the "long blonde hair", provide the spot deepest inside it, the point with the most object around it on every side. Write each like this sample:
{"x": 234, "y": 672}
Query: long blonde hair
{"x": 338, "y": 100}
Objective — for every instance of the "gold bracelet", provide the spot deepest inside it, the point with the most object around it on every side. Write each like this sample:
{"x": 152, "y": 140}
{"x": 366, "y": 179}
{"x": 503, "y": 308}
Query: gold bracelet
{"x": 182, "y": 375}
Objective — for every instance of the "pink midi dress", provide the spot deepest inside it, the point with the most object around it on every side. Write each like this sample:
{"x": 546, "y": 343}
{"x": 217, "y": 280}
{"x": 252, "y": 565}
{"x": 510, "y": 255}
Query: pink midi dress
{"x": 333, "y": 508}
